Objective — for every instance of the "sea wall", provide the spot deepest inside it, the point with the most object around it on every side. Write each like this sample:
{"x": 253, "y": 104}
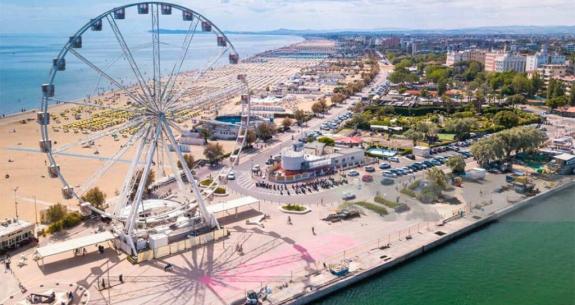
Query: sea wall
{"x": 353, "y": 278}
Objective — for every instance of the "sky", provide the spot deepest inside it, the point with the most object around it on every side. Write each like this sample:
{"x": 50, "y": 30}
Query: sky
{"x": 40, "y": 16}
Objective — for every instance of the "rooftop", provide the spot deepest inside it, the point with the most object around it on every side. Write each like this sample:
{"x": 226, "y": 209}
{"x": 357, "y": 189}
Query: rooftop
{"x": 11, "y": 225}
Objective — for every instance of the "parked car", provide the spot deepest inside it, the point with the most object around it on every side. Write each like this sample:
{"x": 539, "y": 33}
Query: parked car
{"x": 231, "y": 176}
{"x": 352, "y": 173}
{"x": 256, "y": 168}
{"x": 348, "y": 196}
{"x": 394, "y": 159}
{"x": 389, "y": 174}
{"x": 410, "y": 156}
{"x": 384, "y": 166}
{"x": 369, "y": 169}
{"x": 367, "y": 178}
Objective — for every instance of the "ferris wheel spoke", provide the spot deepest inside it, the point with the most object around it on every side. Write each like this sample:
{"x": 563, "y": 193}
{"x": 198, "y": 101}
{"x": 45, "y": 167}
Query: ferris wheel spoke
{"x": 96, "y": 136}
{"x": 174, "y": 167}
{"x": 133, "y": 65}
{"x": 203, "y": 209}
{"x": 111, "y": 161}
{"x": 90, "y": 64}
{"x": 129, "y": 180}
{"x": 142, "y": 183}
{"x": 172, "y": 79}
{"x": 174, "y": 98}
{"x": 156, "y": 56}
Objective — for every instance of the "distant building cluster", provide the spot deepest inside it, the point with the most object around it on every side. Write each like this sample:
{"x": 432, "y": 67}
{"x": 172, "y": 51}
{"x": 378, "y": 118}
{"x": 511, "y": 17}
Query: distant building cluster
{"x": 503, "y": 61}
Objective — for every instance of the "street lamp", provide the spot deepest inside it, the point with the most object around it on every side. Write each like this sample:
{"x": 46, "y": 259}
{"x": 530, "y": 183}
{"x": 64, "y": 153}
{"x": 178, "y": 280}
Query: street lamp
{"x": 16, "y": 202}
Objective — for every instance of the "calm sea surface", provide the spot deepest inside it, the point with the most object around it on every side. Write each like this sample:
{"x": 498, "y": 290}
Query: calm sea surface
{"x": 25, "y": 60}
{"x": 527, "y": 258}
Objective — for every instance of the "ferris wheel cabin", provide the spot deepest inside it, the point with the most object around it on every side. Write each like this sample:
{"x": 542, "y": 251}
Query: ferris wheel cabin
{"x": 67, "y": 192}
{"x": 59, "y": 64}
{"x": 48, "y": 90}
{"x": 96, "y": 25}
{"x": 187, "y": 16}
{"x": 222, "y": 41}
{"x": 234, "y": 59}
{"x": 53, "y": 170}
{"x": 166, "y": 9}
{"x": 143, "y": 8}
{"x": 206, "y": 26}
{"x": 76, "y": 42}
{"x": 43, "y": 118}
{"x": 120, "y": 13}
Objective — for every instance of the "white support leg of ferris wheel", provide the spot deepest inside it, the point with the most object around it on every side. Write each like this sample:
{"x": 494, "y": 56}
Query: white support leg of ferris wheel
{"x": 208, "y": 217}
{"x": 132, "y": 218}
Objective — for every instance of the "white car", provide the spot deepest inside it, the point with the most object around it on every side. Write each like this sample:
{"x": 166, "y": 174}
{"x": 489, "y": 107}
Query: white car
{"x": 256, "y": 168}
{"x": 348, "y": 196}
{"x": 231, "y": 176}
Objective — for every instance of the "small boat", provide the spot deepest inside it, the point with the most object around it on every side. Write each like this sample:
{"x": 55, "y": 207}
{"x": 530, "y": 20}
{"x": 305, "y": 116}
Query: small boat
{"x": 339, "y": 269}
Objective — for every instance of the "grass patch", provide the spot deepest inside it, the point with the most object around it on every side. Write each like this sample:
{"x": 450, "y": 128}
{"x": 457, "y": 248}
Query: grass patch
{"x": 220, "y": 190}
{"x": 206, "y": 182}
{"x": 408, "y": 192}
{"x": 381, "y": 210}
{"x": 293, "y": 207}
{"x": 388, "y": 203}
{"x": 446, "y": 136}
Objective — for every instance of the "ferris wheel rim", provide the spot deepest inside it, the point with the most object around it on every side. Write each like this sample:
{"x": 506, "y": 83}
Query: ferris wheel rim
{"x": 67, "y": 48}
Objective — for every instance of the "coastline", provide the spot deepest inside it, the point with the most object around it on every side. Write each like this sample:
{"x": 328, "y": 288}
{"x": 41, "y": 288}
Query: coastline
{"x": 459, "y": 229}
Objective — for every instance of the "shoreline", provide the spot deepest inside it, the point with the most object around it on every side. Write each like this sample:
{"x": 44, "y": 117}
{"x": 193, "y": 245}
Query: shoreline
{"x": 33, "y": 110}
{"x": 354, "y": 277}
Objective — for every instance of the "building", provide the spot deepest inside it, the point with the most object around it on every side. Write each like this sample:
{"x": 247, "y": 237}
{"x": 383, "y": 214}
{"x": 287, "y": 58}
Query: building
{"x": 454, "y": 57}
{"x": 15, "y": 232}
{"x": 226, "y": 127}
{"x": 509, "y": 62}
{"x": 565, "y": 163}
{"x": 490, "y": 58}
{"x": 534, "y": 62}
{"x": 302, "y": 162}
{"x": 570, "y": 47}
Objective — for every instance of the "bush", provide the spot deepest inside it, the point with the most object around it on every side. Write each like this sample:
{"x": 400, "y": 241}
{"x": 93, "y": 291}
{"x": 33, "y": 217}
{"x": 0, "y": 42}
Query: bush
{"x": 71, "y": 220}
{"x": 386, "y": 202}
{"x": 220, "y": 190}
{"x": 372, "y": 207}
{"x": 55, "y": 227}
{"x": 293, "y": 207}
{"x": 408, "y": 192}
{"x": 206, "y": 182}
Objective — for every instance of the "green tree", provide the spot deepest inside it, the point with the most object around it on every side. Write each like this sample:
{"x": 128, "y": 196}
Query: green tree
{"x": 286, "y": 123}
{"x": 214, "y": 152}
{"x": 536, "y": 84}
{"x": 251, "y": 137}
{"x": 436, "y": 176}
{"x": 441, "y": 87}
{"x": 506, "y": 119}
{"x": 205, "y": 134}
{"x": 95, "y": 197}
{"x": 265, "y": 131}
{"x": 299, "y": 116}
{"x": 414, "y": 135}
{"x": 327, "y": 141}
{"x": 456, "y": 164}
{"x": 461, "y": 127}
{"x": 521, "y": 85}
{"x": 189, "y": 159}
{"x": 572, "y": 95}
{"x": 55, "y": 213}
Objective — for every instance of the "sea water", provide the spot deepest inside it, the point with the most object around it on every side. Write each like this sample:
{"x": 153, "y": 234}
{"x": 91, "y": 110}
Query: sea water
{"x": 526, "y": 258}
{"x": 26, "y": 59}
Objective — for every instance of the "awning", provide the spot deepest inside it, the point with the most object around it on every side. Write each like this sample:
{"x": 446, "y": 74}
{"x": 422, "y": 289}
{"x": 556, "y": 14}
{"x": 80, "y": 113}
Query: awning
{"x": 232, "y": 204}
{"x": 75, "y": 243}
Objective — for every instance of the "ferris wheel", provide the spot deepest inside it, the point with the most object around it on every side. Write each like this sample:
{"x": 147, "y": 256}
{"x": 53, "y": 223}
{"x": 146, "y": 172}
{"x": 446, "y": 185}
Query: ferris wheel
{"x": 149, "y": 97}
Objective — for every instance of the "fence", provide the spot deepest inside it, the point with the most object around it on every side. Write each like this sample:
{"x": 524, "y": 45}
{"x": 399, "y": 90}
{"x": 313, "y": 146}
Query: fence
{"x": 183, "y": 245}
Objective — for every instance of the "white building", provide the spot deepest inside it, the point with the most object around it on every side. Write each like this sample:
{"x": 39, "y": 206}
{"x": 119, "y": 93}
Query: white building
{"x": 454, "y": 57}
{"x": 510, "y": 62}
{"x": 14, "y": 232}
{"x": 297, "y": 159}
{"x": 534, "y": 62}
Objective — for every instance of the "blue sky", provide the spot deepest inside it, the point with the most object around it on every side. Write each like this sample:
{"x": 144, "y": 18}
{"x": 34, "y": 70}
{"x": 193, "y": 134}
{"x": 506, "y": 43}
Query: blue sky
{"x": 35, "y": 16}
